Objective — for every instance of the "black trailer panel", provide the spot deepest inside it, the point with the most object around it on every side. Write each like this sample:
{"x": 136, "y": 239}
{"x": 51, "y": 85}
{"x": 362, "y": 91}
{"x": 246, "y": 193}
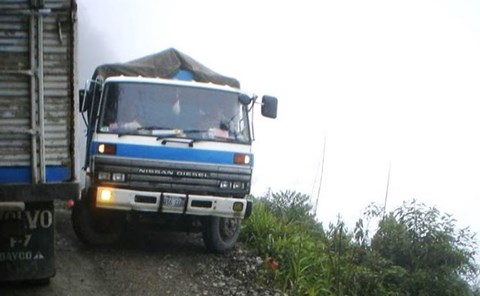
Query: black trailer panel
{"x": 26, "y": 242}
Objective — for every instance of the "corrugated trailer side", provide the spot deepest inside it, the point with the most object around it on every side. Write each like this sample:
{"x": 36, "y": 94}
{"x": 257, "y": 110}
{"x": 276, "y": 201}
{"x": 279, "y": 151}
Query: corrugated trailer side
{"x": 37, "y": 120}
{"x": 36, "y": 99}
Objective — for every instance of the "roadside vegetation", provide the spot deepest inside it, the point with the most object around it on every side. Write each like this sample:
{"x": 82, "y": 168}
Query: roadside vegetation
{"x": 412, "y": 250}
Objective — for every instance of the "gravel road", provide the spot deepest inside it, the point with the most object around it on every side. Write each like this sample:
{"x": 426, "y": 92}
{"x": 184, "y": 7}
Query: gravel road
{"x": 149, "y": 263}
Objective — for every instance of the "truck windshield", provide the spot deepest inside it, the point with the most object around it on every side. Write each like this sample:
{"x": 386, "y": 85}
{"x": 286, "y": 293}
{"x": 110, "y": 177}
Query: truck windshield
{"x": 171, "y": 110}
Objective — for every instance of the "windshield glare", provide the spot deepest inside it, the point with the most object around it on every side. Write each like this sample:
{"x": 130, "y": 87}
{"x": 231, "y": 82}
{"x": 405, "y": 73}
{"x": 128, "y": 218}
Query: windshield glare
{"x": 168, "y": 110}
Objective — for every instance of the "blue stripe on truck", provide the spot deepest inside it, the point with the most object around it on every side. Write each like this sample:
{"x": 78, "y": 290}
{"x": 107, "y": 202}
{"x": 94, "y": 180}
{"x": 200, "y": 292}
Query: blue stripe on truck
{"x": 23, "y": 174}
{"x": 171, "y": 153}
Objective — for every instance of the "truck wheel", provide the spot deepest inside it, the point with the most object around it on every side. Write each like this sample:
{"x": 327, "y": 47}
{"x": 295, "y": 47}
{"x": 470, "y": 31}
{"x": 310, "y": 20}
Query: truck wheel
{"x": 220, "y": 234}
{"x": 38, "y": 282}
{"x": 97, "y": 227}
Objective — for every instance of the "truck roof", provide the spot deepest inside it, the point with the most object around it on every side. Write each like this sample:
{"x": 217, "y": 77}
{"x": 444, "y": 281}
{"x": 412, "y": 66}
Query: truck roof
{"x": 141, "y": 79}
{"x": 165, "y": 64}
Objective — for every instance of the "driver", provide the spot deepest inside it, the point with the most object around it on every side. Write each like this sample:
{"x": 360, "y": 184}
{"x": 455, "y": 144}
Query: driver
{"x": 128, "y": 118}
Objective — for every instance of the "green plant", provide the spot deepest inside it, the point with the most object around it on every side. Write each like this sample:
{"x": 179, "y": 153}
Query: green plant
{"x": 415, "y": 251}
{"x": 439, "y": 258}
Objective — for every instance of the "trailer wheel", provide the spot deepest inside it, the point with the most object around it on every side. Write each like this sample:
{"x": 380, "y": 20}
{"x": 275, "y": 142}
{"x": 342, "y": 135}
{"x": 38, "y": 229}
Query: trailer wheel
{"x": 97, "y": 227}
{"x": 220, "y": 234}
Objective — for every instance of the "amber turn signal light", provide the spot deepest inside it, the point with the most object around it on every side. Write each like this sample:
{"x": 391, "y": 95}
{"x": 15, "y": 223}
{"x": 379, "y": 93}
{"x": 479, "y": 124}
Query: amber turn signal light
{"x": 107, "y": 148}
{"x": 241, "y": 158}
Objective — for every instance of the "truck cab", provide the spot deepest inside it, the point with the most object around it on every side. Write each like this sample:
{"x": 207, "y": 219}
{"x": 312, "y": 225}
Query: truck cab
{"x": 167, "y": 150}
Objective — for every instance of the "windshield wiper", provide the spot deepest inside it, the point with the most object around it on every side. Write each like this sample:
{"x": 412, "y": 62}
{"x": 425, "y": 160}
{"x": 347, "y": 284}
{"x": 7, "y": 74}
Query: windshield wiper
{"x": 191, "y": 131}
{"x": 180, "y": 137}
{"x": 165, "y": 140}
{"x": 126, "y": 133}
{"x": 178, "y": 133}
{"x": 154, "y": 127}
{"x": 134, "y": 132}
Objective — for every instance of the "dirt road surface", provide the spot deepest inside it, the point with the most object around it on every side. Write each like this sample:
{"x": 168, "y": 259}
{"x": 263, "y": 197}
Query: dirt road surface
{"x": 149, "y": 263}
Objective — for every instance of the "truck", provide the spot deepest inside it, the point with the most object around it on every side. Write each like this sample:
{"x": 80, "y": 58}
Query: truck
{"x": 169, "y": 145}
{"x": 37, "y": 132}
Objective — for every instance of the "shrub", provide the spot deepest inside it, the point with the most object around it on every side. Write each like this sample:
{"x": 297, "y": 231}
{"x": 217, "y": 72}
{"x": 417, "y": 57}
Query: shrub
{"x": 415, "y": 251}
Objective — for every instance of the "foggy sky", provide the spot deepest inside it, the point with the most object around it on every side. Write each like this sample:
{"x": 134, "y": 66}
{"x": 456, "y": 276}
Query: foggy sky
{"x": 385, "y": 83}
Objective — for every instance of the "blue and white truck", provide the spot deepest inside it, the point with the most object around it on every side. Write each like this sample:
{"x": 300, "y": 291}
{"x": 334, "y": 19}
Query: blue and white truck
{"x": 168, "y": 144}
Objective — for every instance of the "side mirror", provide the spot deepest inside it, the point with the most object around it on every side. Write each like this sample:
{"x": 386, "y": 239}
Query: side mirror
{"x": 269, "y": 106}
{"x": 81, "y": 97}
{"x": 85, "y": 100}
{"x": 92, "y": 88}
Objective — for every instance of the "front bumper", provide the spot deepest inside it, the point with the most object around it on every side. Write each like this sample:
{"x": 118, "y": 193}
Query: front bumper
{"x": 164, "y": 202}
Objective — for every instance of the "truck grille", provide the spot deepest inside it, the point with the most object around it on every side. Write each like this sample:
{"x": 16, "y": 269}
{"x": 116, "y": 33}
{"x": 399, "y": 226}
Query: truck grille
{"x": 179, "y": 177}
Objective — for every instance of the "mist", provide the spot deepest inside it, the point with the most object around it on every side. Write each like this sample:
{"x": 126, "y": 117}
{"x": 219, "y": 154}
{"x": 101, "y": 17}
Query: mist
{"x": 384, "y": 86}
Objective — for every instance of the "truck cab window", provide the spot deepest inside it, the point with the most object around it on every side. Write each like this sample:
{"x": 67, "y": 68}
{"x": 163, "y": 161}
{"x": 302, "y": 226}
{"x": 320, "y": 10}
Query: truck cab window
{"x": 153, "y": 108}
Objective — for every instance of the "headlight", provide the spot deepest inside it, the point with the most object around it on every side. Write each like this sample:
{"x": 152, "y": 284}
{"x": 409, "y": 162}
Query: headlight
{"x": 104, "y": 176}
{"x": 107, "y": 176}
{"x": 225, "y": 185}
{"x": 238, "y": 185}
{"x": 118, "y": 177}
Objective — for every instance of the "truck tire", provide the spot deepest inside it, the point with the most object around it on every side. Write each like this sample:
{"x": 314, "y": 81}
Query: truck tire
{"x": 97, "y": 227}
{"x": 220, "y": 234}
{"x": 38, "y": 282}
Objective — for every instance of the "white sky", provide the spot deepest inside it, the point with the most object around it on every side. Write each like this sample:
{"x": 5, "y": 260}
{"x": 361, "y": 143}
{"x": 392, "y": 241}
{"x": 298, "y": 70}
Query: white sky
{"x": 384, "y": 82}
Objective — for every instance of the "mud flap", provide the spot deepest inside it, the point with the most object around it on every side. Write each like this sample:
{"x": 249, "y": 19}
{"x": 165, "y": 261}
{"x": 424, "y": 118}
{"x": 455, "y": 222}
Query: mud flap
{"x": 27, "y": 242}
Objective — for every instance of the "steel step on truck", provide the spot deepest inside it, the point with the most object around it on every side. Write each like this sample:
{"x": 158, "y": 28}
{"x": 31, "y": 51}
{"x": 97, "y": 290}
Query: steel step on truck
{"x": 37, "y": 159}
{"x": 169, "y": 146}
